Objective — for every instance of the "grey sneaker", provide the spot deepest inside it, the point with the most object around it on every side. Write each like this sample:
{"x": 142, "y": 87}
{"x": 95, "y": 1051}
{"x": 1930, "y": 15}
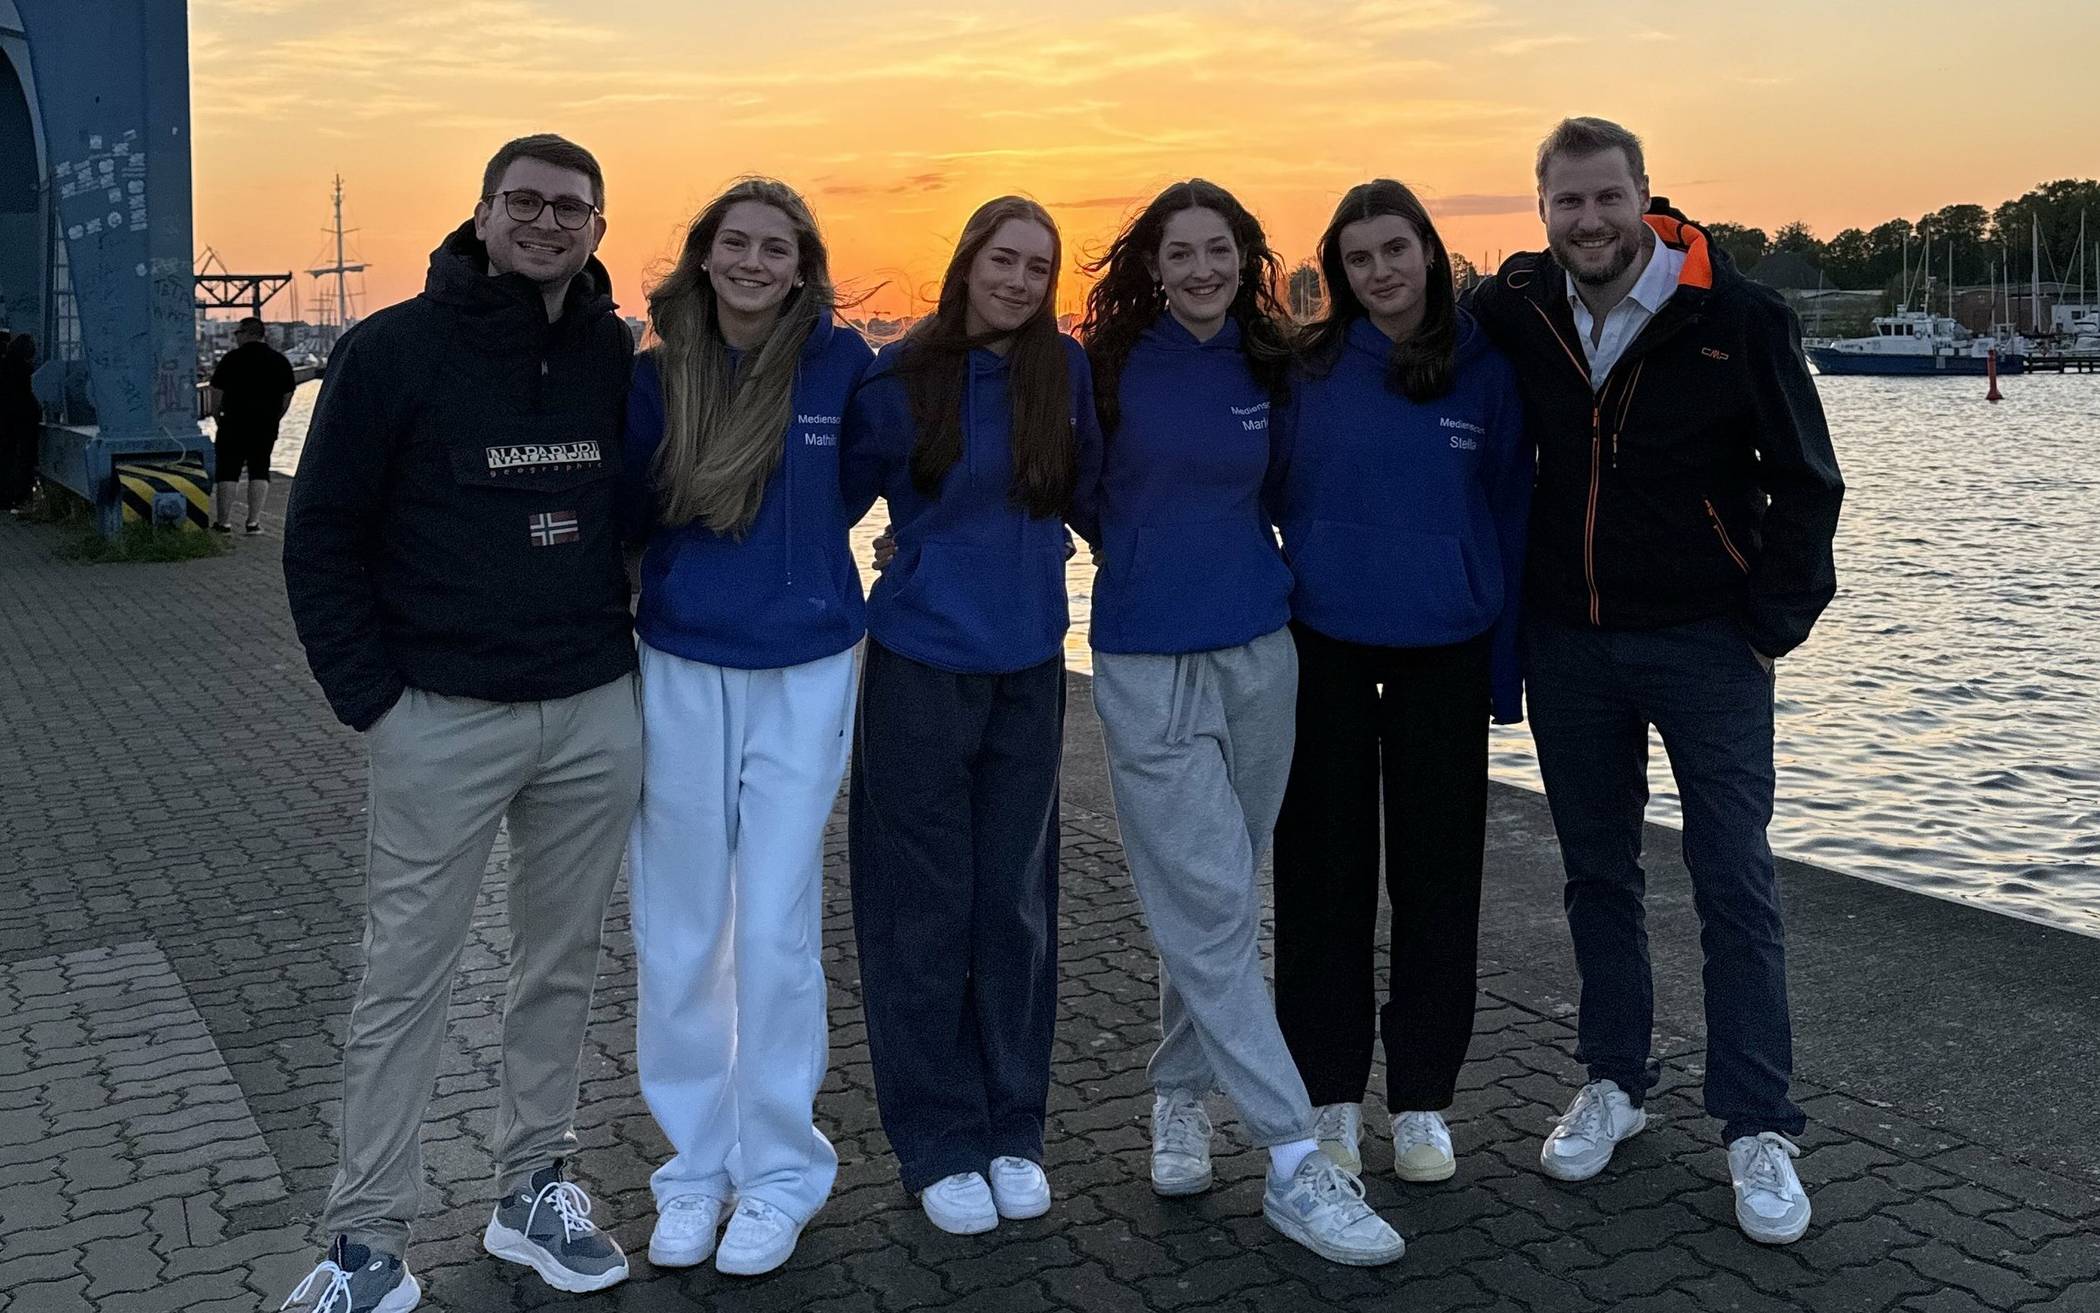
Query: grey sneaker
{"x": 1770, "y": 1204}
{"x": 547, "y": 1226}
{"x": 1180, "y": 1144}
{"x": 1322, "y": 1207}
{"x": 1340, "y": 1129}
{"x": 354, "y": 1279}
{"x": 1581, "y": 1143}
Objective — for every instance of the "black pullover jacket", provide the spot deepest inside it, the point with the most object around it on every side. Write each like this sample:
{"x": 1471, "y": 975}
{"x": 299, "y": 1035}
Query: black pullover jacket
{"x": 1699, "y": 480}
{"x": 452, "y": 526}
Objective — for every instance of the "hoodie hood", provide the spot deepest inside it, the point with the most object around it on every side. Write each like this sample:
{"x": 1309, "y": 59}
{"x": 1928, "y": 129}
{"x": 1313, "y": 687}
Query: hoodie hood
{"x": 1168, "y": 334}
{"x": 504, "y": 304}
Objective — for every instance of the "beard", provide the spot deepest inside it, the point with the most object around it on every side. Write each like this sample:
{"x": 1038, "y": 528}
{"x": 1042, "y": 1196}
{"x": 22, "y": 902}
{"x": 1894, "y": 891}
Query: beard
{"x": 1573, "y": 260}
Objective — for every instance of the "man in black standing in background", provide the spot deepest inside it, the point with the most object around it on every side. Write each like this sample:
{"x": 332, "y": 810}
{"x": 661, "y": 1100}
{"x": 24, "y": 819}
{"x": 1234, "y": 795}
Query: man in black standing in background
{"x": 250, "y": 391}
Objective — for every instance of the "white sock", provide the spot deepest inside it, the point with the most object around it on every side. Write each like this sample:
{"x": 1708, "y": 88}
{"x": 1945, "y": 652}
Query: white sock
{"x": 1284, "y": 1159}
{"x": 258, "y": 497}
{"x": 222, "y": 501}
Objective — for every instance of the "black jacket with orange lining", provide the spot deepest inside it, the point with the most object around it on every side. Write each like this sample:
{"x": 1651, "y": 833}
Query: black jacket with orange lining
{"x": 1699, "y": 480}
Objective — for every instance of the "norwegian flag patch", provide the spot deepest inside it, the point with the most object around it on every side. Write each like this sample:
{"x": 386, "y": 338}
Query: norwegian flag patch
{"x": 551, "y": 527}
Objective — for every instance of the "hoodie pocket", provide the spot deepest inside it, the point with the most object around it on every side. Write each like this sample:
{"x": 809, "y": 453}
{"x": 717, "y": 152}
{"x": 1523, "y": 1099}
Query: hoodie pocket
{"x": 998, "y": 603}
{"x": 1203, "y": 575}
{"x": 1357, "y": 580}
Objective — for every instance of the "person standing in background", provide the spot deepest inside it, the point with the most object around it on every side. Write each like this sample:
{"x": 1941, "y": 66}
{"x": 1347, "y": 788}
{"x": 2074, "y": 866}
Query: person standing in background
{"x": 251, "y": 389}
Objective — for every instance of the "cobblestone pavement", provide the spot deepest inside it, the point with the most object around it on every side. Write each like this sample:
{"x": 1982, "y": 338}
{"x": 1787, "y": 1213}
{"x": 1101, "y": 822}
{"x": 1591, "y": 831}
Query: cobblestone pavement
{"x": 180, "y": 911}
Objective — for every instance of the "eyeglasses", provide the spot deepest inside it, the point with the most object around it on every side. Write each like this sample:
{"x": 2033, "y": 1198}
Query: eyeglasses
{"x": 525, "y": 206}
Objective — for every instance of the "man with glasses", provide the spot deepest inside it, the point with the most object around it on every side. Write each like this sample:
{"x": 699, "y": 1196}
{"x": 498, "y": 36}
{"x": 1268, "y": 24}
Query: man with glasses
{"x": 453, "y": 565}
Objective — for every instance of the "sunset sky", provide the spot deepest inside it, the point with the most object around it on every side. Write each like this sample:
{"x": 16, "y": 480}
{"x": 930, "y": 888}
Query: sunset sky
{"x": 895, "y": 120}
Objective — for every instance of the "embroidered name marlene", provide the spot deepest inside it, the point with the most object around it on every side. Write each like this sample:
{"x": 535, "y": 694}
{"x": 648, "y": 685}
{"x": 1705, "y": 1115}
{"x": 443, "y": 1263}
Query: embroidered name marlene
{"x": 529, "y": 455}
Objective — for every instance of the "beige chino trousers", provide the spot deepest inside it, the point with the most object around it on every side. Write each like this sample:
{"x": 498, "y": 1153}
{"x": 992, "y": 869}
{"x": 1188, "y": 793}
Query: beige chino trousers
{"x": 567, "y": 773}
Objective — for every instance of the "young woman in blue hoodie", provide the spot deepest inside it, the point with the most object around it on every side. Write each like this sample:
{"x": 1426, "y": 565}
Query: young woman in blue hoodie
{"x": 750, "y": 610}
{"x": 1195, "y": 679}
{"x": 1405, "y": 489}
{"x": 978, "y": 428}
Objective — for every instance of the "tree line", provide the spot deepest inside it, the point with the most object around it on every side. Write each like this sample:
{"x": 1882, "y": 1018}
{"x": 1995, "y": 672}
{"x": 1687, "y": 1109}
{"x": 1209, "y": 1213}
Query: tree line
{"x": 1985, "y": 243}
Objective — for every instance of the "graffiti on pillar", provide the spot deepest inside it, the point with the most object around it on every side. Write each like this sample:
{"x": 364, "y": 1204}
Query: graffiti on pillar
{"x": 104, "y": 190}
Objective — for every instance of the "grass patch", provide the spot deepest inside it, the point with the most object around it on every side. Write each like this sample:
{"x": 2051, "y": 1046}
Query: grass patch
{"x": 138, "y": 542}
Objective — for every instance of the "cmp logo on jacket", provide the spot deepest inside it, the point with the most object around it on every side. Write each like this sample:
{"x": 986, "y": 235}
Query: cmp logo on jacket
{"x": 811, "y": 439}
{"x": 539, "y": 457}
{"x": 1459, "y": 442}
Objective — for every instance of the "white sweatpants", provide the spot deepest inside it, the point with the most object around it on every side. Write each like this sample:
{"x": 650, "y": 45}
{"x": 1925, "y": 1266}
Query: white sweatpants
{"x": 726, "y": 874}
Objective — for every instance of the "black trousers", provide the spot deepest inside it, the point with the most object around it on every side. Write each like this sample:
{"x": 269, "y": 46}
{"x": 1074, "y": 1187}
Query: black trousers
{"x": 1406, "y": 727}
{"x": 952, "y": 834}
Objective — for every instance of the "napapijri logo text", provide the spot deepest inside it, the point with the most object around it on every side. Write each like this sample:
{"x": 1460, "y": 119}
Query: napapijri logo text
{"x": 540, "y": 455}
{"x": 1254, "y": 417}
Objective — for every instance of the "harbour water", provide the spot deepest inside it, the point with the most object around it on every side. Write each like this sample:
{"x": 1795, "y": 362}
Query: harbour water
{"x": 1941, "y": 730}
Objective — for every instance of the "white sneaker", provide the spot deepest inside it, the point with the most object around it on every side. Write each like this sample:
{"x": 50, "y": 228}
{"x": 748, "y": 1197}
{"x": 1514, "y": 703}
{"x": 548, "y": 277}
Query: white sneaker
{"x": 1322, "y": 1207}
{"x": 960, "y": 1204}
{"x": 1595, "y": 1123}
{"x": 1340, "y": 1131}
{"x": 1019, "y": 1188}
{"x": 685, "y": 1230}
{"x": 1180, "y": 1144}
{"x": 1770, "y": 1204}
{"x": 1422, "y": 1147}
{"x": 758, "y": 1239}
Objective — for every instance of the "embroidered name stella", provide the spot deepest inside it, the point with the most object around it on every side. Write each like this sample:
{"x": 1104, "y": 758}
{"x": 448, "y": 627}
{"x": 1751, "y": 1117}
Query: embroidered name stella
{"x": 536, "y": 455}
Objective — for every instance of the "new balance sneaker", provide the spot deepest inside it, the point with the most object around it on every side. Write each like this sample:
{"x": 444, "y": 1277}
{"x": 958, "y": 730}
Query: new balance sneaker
{"x": 758, "y": 1239}
{"x": 1422, "y": 1147}
{"x": 1770, "y": 1204}
{"x": 355, "y": 1279}
{"x": 546, "y": 1225}
{"x": 1019, "y": 1188}
{"x": 1322, "y": 1207}
{"x": 684, "y": 1235}
{"x": 1340, "y": 1131}
{"x": 960, "y": 1204}
{"x": 1180, "y": 1144}
{"x": 1598, "y": 1121}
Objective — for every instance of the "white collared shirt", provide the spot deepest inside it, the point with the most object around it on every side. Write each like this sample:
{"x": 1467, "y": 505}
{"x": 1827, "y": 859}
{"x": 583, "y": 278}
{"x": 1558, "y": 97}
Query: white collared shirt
{"x": 1624, "y": 321}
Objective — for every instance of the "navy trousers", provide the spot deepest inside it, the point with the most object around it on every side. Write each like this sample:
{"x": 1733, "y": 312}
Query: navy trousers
{"x": 952, "y": 829}
{"x": 1593, "y": 694}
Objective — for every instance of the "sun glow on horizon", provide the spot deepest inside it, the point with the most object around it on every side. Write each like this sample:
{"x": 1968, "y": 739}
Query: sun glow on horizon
{"x": 897, "y": 120}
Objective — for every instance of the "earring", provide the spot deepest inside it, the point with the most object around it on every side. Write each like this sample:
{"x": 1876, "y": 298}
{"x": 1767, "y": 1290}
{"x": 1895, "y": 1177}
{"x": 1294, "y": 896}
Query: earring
{"x": 798, "y": 282}
{"x": 703, "y": 268}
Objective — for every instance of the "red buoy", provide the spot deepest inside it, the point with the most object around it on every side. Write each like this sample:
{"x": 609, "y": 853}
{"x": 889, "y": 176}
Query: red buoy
{"x": 1990, "y": 369}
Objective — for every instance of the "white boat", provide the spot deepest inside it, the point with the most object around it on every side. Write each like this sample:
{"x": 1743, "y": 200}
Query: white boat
{"x": 1919, "y": 342}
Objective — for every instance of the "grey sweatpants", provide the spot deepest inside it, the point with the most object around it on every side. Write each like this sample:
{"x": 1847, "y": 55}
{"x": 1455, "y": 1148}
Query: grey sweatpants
{"x": 444, "y": 772}
{"x": 1199, "y": 750}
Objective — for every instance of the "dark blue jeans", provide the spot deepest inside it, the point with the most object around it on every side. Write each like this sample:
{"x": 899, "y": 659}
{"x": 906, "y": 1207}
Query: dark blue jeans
{"x": 952, "y": 833}
{"x": 1593, "y": 695}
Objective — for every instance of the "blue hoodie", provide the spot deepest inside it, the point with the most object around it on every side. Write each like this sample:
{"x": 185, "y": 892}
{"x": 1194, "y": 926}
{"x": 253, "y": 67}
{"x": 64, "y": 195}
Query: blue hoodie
{"x": 978, "y": 585}
{"x": 1404, "y": 523}
{"x": 1188, "y": 561}
{"x": 786, "y": 593}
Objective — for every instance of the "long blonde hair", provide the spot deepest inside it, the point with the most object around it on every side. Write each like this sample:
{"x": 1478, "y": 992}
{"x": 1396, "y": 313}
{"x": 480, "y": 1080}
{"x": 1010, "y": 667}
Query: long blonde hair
{"x": 724, "y": 425}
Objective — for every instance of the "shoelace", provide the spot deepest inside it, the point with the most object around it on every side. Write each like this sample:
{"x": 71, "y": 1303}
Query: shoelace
{"x": 1333, "y": 1123}
{"x": 1184, "y": 1128}
{"x": 1332, "y": 1185}
{"x": 338, "y": 1288}
{"x": 570, "y": 1202}
{"x": 1586, "y": 1117}
{"x": 1766, "y": 1168}
{"x": 1411, "y": 1129}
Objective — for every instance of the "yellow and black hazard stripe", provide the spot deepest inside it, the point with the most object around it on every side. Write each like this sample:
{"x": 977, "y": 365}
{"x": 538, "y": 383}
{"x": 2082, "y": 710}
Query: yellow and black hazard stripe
{"x": 139, "y": 481}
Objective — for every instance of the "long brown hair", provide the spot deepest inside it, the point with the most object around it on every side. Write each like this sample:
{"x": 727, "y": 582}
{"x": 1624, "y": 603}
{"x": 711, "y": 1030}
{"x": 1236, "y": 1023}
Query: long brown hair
{"x": 1424, "y": 366}
{"x": 935, "y": 367}
{"x": 1128, "y": 299}
{"x": 723, "y": 425}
